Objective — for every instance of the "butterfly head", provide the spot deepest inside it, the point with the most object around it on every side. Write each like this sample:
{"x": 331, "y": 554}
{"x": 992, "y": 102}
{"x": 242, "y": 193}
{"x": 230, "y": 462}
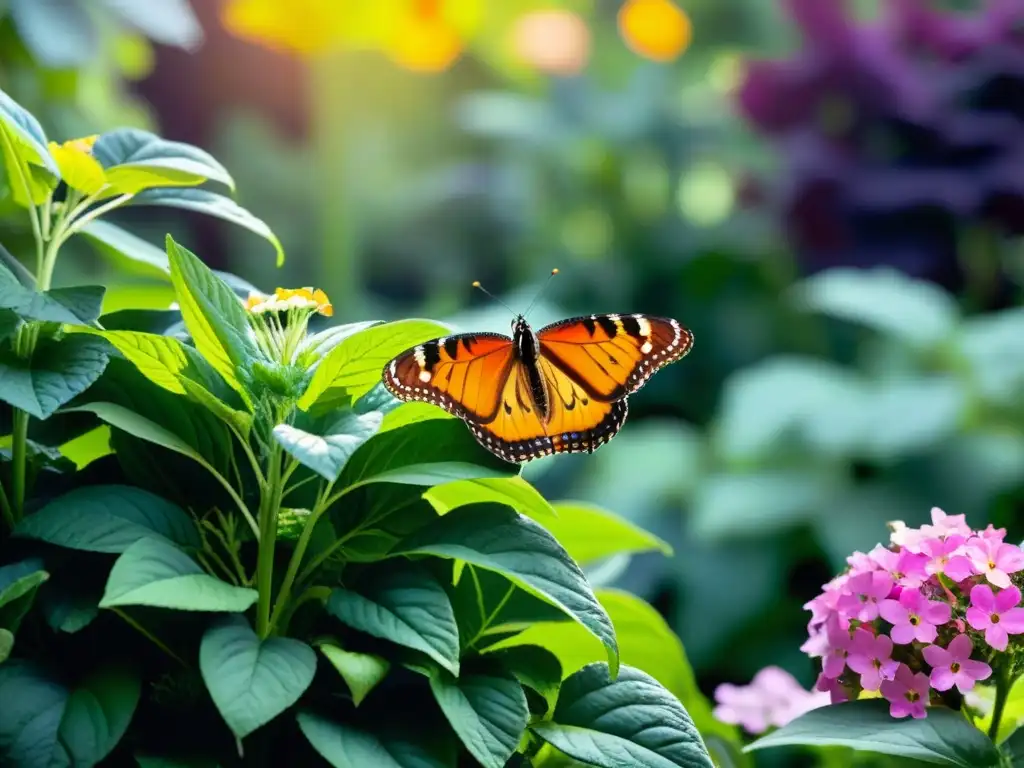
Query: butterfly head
{"x": 525, "y": 339}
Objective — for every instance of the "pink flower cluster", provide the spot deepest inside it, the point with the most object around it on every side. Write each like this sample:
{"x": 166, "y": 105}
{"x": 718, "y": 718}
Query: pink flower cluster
{"x": 773, "y": 698}
{"x": 919, "y": 617}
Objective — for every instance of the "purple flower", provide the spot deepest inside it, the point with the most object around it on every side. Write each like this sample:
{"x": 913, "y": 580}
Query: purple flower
{"x": 914, "y": 617}
{"x": 940, "y": 552}
{"x": 863, "y": 593}
{"x": 839, "y": 640}
{"x": 998, "y": 615}
{"x": 953, "y": 665}
{"x": 907, "y": 693}
{"x": 871, "y": 657}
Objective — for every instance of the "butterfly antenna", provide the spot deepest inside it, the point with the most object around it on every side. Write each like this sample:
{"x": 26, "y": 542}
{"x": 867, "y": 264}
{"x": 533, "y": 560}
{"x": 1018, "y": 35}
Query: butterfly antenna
{"x": 540, "y": 291}
{"x": 476, "y": 284}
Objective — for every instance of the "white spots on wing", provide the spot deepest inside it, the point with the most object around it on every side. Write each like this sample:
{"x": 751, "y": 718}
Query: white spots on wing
{"x": 645, "y": 327}
{"x": 425, "y": 375}
{"x": 421, "y": 359}
{"x": 647, "y": 347}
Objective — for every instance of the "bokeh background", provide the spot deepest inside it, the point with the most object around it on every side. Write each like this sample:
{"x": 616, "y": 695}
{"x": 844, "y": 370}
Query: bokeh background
{"x": 830, "y": 194}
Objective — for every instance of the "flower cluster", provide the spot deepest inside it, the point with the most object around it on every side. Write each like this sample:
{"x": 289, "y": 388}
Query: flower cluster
{"x": 280, "y": 320}
{"x": 897, "y": 132}
{"x": 773, "y": 698}
{"x": 931, "y": 612}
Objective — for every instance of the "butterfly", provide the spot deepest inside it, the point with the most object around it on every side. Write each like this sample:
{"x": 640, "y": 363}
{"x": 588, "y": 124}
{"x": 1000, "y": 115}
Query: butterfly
{"x": 562, "y": 389}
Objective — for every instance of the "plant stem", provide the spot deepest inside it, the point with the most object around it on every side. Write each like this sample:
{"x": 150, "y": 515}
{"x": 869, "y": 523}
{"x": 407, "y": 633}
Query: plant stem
{"x": 1002, "y": 693}
{"x": 270, "y": 503}
{"x": 153, "y": 638}
{"x": 19, "y": 453}
{"x": 5, "y": 508}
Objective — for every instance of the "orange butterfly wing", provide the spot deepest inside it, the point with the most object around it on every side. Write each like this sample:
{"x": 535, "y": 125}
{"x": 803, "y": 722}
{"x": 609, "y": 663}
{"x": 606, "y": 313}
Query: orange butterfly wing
{"x": 462, "y": 374}
{"x": 612, "y": 356}
{"x": 589, "y": 365}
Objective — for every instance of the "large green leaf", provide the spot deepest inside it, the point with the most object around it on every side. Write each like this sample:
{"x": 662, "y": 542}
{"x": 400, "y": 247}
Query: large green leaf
{"x": 356, "y": 364}
{"x": 320, "y": 343}
{"x": 28, "y": 729}
{"x": 112, "y": 240}
{"x": 60, "y": 34}
{"x": 499, "y": 539}
{"x": 915, "y": 311}
{"x": 213, "y": 315}
{"x": 153, "y": 572}
{"x": 345, "y": 746}
{"x": 212, "y": 204}
{"x": 57, "y": 371}
{"x": 425, "y": 453}
{"x": 512, "y": 491}
{"x": 1013, "y": 747}
{"x": 136, "y": 160}
{"x": 590, "y": 533}
{"x": 18, "y": 585}
{"x": 487, "y": 710}
{"x": 944, "y": 737}
{"x": 626, "y": 722}
{"x": 535, "y": 668}
{"x": 407, "y": 606}
{"x": 77, "y": 305}
{"x": 109, "y": 518}
{"x": 327, "y": 453}
{"x": 252, "y": 681}
{"x": 362, "y": 672}
{"x": 645, "y": 642}
{"x": 96, "y": 717}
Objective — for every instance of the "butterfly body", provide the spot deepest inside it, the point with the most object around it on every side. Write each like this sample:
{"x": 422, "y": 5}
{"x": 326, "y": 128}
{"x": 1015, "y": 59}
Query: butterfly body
{"x": 560, "y": 389}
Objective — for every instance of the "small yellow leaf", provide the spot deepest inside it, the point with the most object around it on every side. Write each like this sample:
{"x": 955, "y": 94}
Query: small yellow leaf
{"x": 79, "y": 169}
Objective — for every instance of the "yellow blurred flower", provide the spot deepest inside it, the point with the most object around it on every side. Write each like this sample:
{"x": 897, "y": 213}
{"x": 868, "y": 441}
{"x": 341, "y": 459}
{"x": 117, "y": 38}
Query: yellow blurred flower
{"x": 552, "y": 41}
{"x": 300, "y": 26}
{"x": 78, "y": 168}
{"x": 285, "y": 299}
{"x": 655, "y": 29}
{"x": 424, "y": 40}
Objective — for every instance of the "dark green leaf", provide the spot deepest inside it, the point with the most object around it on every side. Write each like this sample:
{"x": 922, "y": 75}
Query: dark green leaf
{"x": 487, "y": 711}
{"x": 499, "y": 539}
{"x": 944, "y": 737}
{"x": 18, "y": 585}
{"x": 153, "y": 572}
{"x": 407, "y": 606}
{"x": 6, "y": 644}
{"x": 253, "y": 681}
{"x": 534, "y": 667}
{"x": 76, "y": 305}
{"x": 136, "y": 160}
{"x": 28, "y": 731}
{"x": 97, "y": 715}
{"x": 212, "y": 204}
{"x": 327, "y": 453}
{"x": 357, "y": 363}
{"x": 59, "y": 33}
{"x": 362, "y": 672}
{"x": 9, "y": 322}
{"x": 164, "y": 322}
{"x": 109, "y": 518}
{"x": 628, "y": 722}
{"x": 345, "y": 746}
{"x": 57, "y": 372}
{"x": 1013, "y": 748}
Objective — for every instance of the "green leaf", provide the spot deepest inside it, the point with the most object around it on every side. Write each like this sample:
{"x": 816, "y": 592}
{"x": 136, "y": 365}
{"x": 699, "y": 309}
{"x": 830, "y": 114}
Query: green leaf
{"x": 122, "y": 242}
{"x": 944, "y": 737}
{"x": 487, "y": 711}
{"x": 136, "y": 160}
{"x": 9, "y": 322}
{"x": 535, "y": 667}
{"x": 1013, "y": 747}
{"x": 344, "y": 746}
{"x": 425, "y": 453}
{"x": 253, "y": 681}
{"x": 18, "y": 585}
{"x": 28, "y": 731}
{"x": 590, "y": 533}
{"x": 212, "y": 204}
{"x": 79, "y": 305}
{"x": 357, "y": 363}
{"x": 327, "y": 454}
{"x": 362, "y": 672}
{"x": 170, "y": 22}
{"x": 96, "y": 717}
{"x": 154, "y": 573}
{"x": 60, "y": 34}
{"x": 498, "y": 539}
{"x": 6, "y": 644}
{"x": 628, "y": 722}
{"x": 406, "y": 606}
{"x": 213, "y": 315}
{"x": 915, "y": 311}
{"x": 25, "y": 153}
{"x": 57, "y": 372}
{"x": 319, "y": 344}
{"x": 109, "y": 518}
{"x": 513, "y": 491}
{"x": 149, "y": 761}
{"x": 162, "y": 322}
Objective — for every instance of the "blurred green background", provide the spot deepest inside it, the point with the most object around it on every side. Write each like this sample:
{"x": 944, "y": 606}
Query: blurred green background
{"x": 840, "y": 231}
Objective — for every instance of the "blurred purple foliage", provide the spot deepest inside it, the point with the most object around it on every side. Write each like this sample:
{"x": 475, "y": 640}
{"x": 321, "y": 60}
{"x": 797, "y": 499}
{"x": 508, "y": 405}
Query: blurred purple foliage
{"x": 899, "y": 134}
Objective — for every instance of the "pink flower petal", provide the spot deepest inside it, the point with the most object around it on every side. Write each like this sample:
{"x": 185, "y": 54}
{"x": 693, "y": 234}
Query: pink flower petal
{"x": 925, "y": 633}
{"x": 936, "y": 612}
{"x": 983, "y": 599}
{"x": 996, "y": 636}
{"x": 978, "y": 619}
{"x": 937, "y": 657}
{"x": 998, "y": 578}
{"x": 892, "y": 611}
{"x": 902, "y": 634}
{"x": 959, "y": 648}
{"x": 959, "y": 568}
{"x": 976, "y": 670}
{"x": 1009, "y": 558}
{"x": 1012, "y": 621}
{"x": 1007, "y": 599}
{"x": 942, "y": 679}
